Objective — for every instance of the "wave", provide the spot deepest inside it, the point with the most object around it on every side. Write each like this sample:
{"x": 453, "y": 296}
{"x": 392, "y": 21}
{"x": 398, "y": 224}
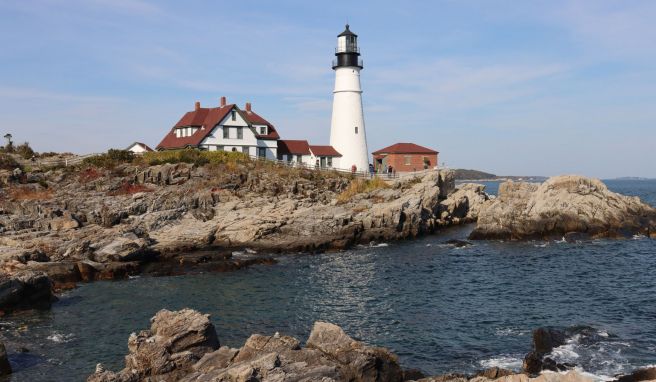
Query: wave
{"x": 58, "y": 337}
{"x": 503, "y": 362}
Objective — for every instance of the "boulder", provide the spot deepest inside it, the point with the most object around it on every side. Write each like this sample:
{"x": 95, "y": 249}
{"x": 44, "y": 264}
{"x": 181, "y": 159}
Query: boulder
{"x": 25, "y": 290}
{"x": 127, "y": 247}
{"x": 646, "y": 374}
{"x": 560, "y": 206}
{"x": 5, "y": 367}
{"x": 182, "y": 346}
{"x": 358, "y": 362}
{"x": 544, "y": 341}
{"x": 175, "y": 341}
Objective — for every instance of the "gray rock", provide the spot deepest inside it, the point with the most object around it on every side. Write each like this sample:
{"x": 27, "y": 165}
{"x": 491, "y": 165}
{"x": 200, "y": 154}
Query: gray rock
{"x": 25, "y": 290}
{"x": 560, "y": 206}
{"x": 5, "y": 367}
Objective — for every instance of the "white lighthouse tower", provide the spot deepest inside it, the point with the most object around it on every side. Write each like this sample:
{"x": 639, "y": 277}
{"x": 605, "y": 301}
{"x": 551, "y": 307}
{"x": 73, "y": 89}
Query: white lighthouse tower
{"x": 347, "y": 132}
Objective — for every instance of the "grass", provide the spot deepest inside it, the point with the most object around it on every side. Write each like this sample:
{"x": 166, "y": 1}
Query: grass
{"x": 361, "y": 186}
{"x": 29, "y": 193}
{"x": 129, "y": 189}
{"x": 192, "y": 156}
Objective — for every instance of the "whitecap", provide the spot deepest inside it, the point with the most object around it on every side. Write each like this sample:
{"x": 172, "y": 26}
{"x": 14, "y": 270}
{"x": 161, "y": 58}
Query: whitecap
{"x": 504, "y": 332}
{"x": 58, "y": 337}
{"x": 504, "y": 362}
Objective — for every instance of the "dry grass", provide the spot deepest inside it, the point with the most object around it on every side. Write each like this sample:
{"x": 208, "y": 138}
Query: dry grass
{"x": 29, "y": 193}
{"x": 129, "y": 189}
{"x": 361, "y": 186}
{"x": 89, "y": 174}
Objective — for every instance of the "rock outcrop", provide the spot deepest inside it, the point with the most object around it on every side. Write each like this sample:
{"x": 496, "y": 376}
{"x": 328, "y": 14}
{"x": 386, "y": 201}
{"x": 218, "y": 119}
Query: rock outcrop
{"x": 563, "y": 206}
{"x": 94, "y": 224}
{"x": 5, "y": 367}
{"x": 25, "y": 290}
{"x": 183, "y": 346}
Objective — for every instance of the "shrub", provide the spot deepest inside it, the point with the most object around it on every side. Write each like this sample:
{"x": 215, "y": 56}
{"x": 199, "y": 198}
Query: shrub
{"x": 360, "y": 186}
{"x": 25, "y": 151}
{"x": 7, "y": 162}
{"x": 111, "y": 159}
{"x": 127, "y": 188}
{"x": 193, "y": 156}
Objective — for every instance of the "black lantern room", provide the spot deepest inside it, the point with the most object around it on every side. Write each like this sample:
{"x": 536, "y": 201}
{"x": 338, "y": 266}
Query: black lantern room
{"x": 347, "y": 51}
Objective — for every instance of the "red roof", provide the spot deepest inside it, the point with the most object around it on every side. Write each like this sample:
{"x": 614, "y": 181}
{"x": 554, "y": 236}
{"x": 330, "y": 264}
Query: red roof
{"x": 204, "y": 117}
{"x": 296, "y": 147}
{"x": 256, "y": 119}
{"x": 405, "y": 148}
{"x": 324, "y": 151}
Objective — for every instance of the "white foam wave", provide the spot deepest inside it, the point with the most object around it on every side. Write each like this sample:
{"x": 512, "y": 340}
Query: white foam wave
{"x": 506, "y": 332}
{"x": 504, "y": 362}
{"x": 58, "y": 337}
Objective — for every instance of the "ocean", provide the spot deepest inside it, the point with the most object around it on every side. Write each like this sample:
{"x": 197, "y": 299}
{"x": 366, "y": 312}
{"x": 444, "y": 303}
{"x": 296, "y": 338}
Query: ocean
{"x": 439, "y": 308}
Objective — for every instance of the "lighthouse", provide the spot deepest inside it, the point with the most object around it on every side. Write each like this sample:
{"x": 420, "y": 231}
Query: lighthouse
{"x": 347, "y": 132}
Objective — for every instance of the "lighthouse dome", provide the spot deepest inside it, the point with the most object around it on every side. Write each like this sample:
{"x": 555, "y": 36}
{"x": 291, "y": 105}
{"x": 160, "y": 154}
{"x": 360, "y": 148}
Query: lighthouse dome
{"x": 347, "y": 32}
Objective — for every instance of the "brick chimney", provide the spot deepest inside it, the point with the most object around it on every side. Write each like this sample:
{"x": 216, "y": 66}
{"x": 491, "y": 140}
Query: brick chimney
{"x": 248, "y": 106}
{"x": 197, "y": 106}
{"x": 223, "y": 101}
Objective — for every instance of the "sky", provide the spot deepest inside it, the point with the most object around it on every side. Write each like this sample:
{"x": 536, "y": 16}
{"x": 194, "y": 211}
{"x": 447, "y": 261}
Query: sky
{"x": 510, "y": 87}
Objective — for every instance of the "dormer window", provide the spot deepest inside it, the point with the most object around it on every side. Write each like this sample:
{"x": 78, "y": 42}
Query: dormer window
{"x": 263, "y": 130}
{"x": 356, "y": 129}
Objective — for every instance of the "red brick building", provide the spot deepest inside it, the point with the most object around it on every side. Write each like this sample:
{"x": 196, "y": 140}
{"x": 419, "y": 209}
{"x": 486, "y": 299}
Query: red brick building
{"x": 405, "y": 157}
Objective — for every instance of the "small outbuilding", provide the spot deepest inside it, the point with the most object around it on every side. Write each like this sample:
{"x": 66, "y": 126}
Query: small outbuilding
{"x": 405, "y": 157}
{"x": 139, "y": 148}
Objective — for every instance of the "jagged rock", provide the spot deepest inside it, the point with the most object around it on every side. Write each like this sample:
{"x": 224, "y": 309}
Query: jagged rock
{"x": 544, "y": 341}
{"x": 560, "y": 206}
{"x": 182, "y": 346}
{"x": 175, "y": 341}
{"x": 5, "y": 367}
{"x": 25, "y": 290}
{"x": 646, "y": 374}
{"x": 358, "y": 362}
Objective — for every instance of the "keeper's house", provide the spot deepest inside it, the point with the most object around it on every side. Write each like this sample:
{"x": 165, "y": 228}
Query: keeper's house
{"x": 228, "y": 128}
{"x": 225, "y": 128}
{"x": 405, "y": 157}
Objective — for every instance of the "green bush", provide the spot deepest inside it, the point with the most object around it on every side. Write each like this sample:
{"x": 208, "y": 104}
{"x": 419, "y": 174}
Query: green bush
{"x": 193, "y": 156}
{"x": 111, "y": 159}
{"x": 8, "y": 163}
{"x": 25, "y": 151}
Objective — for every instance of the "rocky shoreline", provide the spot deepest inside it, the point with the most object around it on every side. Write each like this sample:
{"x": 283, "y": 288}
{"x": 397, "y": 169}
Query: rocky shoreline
{"x": 93, "y": 224}
{"x": 86, "y": 224}
{"x": 184, "y": 346}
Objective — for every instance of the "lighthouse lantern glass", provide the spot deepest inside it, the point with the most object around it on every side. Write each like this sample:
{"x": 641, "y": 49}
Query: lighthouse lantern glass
{"x": 347, "y": 44}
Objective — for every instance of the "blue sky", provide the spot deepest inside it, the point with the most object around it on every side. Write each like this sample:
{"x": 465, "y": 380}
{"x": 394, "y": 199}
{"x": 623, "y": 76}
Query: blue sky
{"x": 511, "y": 87}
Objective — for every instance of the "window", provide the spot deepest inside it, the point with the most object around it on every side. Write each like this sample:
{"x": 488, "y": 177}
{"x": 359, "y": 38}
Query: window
{"x": 226, "y": 132}
{"x": 233, "y": 115}
{"x": 263, "y": 130}
{"x": 261, "y": 152}
{"x": 244, "y": 149}
{"x": 330, "y": 161}
{"x": 299, "y": 158}
{"x": 234, "y": 149}
{"x": 240, "y": 133}
{"x": 290, "y": 157}
{"x": 177, "y": 133}
{"x": 220, "y": 148}
{"x": 407, "y": 160}
{"x": 356, "y": 129}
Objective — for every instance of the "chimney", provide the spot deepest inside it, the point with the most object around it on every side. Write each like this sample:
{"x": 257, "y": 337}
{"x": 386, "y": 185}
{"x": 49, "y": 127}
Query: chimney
{"x": 248, "y": 107}
{"x": 197, "y": 105}
{"x": 223, "y": 101}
